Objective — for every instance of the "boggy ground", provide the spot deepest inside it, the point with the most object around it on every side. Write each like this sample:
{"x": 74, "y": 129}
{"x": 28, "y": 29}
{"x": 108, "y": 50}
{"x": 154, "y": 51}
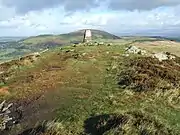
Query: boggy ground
{"x": 66, "y": 89}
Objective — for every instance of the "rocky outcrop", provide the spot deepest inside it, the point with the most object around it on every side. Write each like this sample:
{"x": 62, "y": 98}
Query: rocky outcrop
{"x": 163, "y": 56}
{"x": 9, "y": 115}
{"x": 135, "y": 50}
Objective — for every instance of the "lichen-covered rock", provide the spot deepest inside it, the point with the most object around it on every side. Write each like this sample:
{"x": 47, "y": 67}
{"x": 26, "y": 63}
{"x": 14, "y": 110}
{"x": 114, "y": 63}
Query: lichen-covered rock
{"x": 9, "y": 115}
{"x": 160, "y": 56}
{"x": 163, "y": 56}
{"x": 101, "y": 43}
{"x": 135, "y": 50}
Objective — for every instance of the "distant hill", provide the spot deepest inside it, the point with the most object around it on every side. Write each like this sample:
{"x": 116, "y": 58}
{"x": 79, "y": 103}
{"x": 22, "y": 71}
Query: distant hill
{"x": 62, "y": 39}
{"x": 96, "y": 34}
{"x": 14, "y": 47}
{"x": 8, "y": 39}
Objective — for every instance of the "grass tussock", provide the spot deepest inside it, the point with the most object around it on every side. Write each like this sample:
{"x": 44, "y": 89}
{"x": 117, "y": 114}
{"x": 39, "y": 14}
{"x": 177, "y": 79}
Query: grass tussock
{"x": 129, "y": 123}
{"x": 146, "y": 73}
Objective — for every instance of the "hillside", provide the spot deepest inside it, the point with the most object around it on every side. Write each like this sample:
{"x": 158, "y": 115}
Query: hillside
{"x": 94, "y": 89}
{"x": 71, "y": 37}
{"x": 12, "y": 48}
{"x": 9, "y": 39}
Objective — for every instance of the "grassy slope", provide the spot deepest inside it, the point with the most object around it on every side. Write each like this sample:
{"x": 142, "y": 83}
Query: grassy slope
{"x": 158, "y": 46}
{"x": 76, "y": 36}
{"x": 71, "y": 89}
{"x": 15, "y": 49}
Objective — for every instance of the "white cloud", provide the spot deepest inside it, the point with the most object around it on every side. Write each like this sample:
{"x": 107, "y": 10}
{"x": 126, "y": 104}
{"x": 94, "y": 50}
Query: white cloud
{"x": 55, "y": 20}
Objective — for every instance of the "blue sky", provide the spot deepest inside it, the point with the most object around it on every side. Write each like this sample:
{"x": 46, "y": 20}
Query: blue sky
{"x": 123, "y": 17}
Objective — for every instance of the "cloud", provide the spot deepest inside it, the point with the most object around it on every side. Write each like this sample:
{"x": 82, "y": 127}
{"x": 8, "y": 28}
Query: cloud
{"x": 25, "y": 6}
{"x": 6, "y": 12}
{"x": 26, "y": 18}
{"x": 140, "y": 4}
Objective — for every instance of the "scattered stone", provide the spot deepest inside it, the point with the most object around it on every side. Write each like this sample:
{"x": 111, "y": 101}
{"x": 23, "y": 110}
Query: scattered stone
{"x": 160, "y": 56}
{"x": 114, "y": 67}
{"x": 84, "y": 54}
{"x": 143, "y": 52}
{"x": 90, "y": 43}
{"x": 101, "y": 43}
{"x": 135, "y": 50}
{"x": 163, "y": 56}
{"x": 71, "y": 50}
{"x": 96, "y": 44}
{"x": 1, "y": 72}
{"x": 36, "y": 53}
{"x": 115, "y": 57}
{"x": 9, "y": 115}
{"x": 126, "y": 55}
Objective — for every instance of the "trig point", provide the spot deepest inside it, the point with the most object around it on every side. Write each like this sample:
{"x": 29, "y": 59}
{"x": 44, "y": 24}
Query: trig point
{"x": 87, "y": 36}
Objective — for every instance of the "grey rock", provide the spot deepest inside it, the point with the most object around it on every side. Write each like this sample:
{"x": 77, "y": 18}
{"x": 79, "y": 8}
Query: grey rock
{"x": 101, "y": 43}
{"x": 8, "y": 115}
{"x": 96, "y": 44}
{"x": 163, "y": 56}
{"x": 135, "y": 50}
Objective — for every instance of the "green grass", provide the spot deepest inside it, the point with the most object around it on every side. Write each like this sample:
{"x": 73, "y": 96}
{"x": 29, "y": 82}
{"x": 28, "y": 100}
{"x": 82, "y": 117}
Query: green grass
{"x": 86, "y": 86}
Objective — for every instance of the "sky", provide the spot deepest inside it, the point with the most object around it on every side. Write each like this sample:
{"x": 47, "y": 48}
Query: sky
{"x": 121, "y": 17}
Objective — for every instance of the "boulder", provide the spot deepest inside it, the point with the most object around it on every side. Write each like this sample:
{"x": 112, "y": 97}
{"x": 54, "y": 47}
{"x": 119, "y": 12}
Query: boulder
{"x": 135, "y": 50}
{"x": 163, "y": 56}
{"x": 101, "y": 43}
{"x": 9, "y": 115}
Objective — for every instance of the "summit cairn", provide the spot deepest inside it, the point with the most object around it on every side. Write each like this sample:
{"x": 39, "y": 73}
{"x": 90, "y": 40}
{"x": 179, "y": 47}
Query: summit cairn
{"x": 87, "y": 36}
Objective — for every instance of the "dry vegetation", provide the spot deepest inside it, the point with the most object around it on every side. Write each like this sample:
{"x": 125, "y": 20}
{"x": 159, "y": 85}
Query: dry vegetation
{"x": 146, "y": 73}
{"x": 160, "y": 46}
{"x": 75, "y": 91}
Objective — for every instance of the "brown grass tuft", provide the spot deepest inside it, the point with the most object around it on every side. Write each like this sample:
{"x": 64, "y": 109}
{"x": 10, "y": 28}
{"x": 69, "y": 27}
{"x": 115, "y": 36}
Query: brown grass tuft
{"x": 146, "y": 73}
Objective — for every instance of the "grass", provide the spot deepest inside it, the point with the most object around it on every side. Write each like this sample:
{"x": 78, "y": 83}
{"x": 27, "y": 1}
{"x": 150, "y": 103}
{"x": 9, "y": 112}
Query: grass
{"x": 160, "y": 46}
{"x": 70, "y": 89}
{"x": 67, "y": 38}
